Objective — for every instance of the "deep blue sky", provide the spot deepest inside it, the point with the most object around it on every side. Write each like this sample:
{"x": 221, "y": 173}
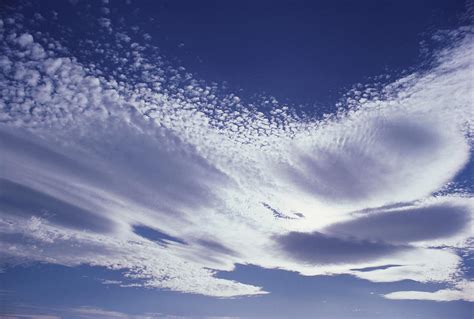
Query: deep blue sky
{"x": 307, "y": 53}
{"x": 303, "y": 51}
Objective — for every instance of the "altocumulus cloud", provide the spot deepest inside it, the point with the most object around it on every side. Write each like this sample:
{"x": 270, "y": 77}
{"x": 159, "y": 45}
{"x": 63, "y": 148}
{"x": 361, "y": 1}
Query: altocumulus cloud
{"x": 90, "y": 160}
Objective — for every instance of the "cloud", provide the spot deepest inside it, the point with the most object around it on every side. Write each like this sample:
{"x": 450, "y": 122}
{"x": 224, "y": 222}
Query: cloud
{"x": 18, "y": 200}
{"x": 28, "y": 316}
{"x": 156, "y": 235}
{"x": 216, "y": 247}
{"x": 147, "y": 263}
{"x": 78, "y": 312}
{"x": 157, "y": 174}
{"x": 89, "y": 312}
{"x": 318, "y": 248}
{"x": 408, "y": 224}
{"x": 422, "y": 264}
{"x": 462, "y": 291}
{"x": 376, "y": 157}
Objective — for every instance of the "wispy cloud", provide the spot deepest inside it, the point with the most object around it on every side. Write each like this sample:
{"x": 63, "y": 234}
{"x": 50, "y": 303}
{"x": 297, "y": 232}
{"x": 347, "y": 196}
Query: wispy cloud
{"x": 27, "y": 316}
{"x": 28, "y": 312}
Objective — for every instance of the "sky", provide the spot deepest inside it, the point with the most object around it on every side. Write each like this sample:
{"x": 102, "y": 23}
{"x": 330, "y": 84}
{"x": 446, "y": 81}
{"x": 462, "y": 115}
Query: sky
{"x": 236, "y": 159}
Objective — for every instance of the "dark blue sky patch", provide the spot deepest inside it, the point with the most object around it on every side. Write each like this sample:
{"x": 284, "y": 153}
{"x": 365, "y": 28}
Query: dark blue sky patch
{"x": 365, "y": 269}
{"x": 279, "y": 214}
{"x": 302, "y": 51}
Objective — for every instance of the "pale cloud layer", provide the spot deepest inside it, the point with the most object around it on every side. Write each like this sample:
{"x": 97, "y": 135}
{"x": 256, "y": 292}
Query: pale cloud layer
{"x": 462, "y": 291}
{"x": 88, "y": 159}
{"x": 84, "y": 312}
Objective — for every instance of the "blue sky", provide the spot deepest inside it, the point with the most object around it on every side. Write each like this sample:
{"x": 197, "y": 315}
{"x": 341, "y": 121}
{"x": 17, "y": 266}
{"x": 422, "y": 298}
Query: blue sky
{"x": 176, "y": 159}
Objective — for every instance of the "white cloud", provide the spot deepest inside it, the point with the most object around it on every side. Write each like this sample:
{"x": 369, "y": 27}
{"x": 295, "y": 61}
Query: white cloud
{"x": 462, "y": 291}
{"x": 25, "y": 40}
